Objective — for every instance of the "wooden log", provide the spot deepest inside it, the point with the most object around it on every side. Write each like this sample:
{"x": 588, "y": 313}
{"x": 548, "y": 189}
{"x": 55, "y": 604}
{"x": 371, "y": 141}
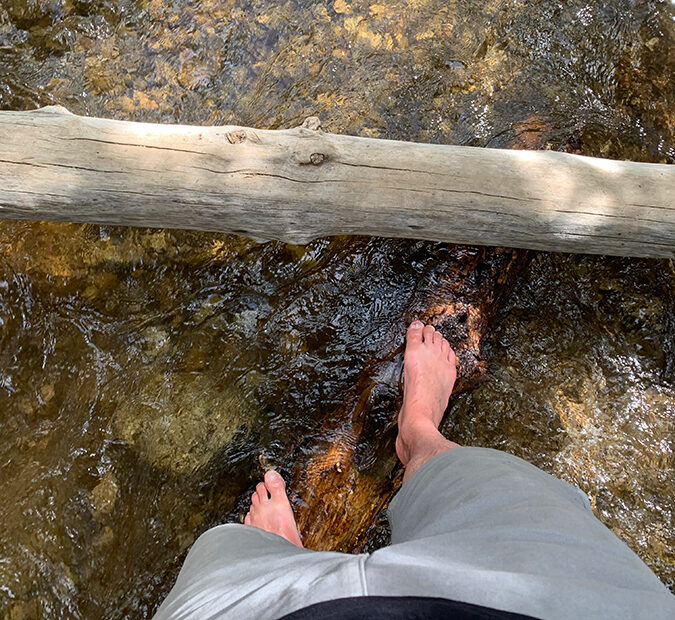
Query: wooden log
{"x": 299, "y": 184}
{"x": 343, "y": 481}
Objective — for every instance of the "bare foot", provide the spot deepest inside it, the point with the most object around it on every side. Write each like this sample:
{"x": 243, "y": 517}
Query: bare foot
{"x": 271, "y": 511}
{"x": 430, "y": 370}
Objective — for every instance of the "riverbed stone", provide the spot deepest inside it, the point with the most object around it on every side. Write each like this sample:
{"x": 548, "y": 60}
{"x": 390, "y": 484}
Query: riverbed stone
{"x": 103, "y": 496}
{"x": 179, "y": 420}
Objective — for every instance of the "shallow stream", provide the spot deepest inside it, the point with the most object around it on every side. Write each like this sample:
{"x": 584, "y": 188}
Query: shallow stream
{"x": 142, "y": 372}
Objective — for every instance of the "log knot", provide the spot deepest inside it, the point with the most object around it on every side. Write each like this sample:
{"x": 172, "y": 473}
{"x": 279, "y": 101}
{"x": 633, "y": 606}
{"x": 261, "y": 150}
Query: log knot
{"x": 236, "y": 137}
{"x": 314, "y": 159}
{"x": 312, "y": 122}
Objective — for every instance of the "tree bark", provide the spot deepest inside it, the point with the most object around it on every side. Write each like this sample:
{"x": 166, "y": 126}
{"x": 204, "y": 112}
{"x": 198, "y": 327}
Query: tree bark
{"x": 342, "y": 481}
{"x": 299, "y": 184}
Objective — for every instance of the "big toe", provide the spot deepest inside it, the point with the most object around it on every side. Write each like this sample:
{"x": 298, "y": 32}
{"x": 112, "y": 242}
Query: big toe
{"x": 415, "y": 332}
{"x": 275, "y": 483}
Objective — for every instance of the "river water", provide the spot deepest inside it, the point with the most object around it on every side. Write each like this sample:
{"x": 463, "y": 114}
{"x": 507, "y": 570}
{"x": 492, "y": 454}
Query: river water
{"x": 142, "y": 372}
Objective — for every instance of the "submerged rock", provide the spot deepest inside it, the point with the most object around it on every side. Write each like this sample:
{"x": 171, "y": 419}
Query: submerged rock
{"x": 179, "y": 420}
{"x": 104, "y": 495}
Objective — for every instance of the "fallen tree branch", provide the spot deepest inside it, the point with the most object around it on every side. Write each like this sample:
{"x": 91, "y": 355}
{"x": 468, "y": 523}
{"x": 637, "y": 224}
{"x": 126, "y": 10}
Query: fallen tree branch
{"x": 299, "y": 184}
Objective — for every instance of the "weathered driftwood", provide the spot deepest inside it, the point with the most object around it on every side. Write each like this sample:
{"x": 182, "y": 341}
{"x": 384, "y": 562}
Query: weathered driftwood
{"x": 300, "y": 184}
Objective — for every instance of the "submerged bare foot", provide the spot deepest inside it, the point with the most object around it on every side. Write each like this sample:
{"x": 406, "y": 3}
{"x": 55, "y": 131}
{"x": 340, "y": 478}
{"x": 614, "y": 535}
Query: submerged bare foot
{"x": 429, "y": 372}
{"x": 271, "y": 511}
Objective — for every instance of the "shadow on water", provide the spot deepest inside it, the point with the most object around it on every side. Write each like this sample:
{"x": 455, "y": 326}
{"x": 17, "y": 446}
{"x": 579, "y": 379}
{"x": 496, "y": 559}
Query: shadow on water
{"x": 143, "y": 372}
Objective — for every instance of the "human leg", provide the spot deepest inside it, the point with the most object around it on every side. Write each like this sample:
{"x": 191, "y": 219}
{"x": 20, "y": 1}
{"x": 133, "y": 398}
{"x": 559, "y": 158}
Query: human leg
{"x": 238, "y": 571}
{"x": 430, "y": 370}
{"x": 260, "y": 569}
{"x": 482, "y": 526}
{"x": 271, "y": 511}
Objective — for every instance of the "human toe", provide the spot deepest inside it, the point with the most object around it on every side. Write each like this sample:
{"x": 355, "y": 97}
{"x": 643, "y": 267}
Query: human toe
{"x": 428, "y": 334}
{"x": 275, "y": 483}
{"x": 261, "y": 490}
{"x": 414, "y": 335}
{"x": 247, "y": 518}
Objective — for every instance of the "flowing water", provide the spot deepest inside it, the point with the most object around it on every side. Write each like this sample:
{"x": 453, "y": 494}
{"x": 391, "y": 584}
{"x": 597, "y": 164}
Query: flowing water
{"x": 142, "y": 372}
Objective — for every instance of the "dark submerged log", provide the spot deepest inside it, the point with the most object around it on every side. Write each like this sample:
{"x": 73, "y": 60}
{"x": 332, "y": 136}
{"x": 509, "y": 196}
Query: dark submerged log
{"x": 341, "y": 483}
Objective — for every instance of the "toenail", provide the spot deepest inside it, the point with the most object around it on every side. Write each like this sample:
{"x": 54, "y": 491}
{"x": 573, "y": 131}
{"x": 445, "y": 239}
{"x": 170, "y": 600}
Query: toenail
{"x": 416, "y": 325}
{"x": 274, "y": 475}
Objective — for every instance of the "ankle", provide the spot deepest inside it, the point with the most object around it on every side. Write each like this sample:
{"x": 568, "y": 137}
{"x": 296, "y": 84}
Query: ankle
{"x": 419, "y": 441}
{"x": 416, "y": 431}
{"x": 426, "y": 450}
{"x": 415, "y": 436}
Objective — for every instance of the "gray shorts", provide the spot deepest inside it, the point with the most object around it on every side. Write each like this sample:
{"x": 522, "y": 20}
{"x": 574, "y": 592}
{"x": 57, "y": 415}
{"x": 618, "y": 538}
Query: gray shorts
{"x": 473, "y": 525}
